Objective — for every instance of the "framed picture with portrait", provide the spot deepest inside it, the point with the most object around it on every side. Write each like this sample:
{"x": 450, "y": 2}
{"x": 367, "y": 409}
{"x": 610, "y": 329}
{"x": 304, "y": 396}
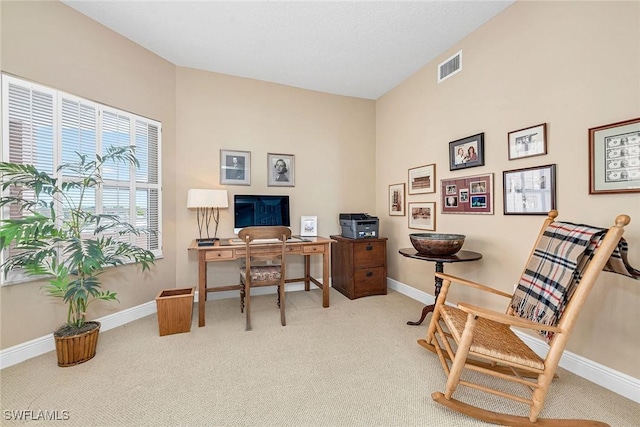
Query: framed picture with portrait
{"x": 528, "y": 142}
{"x": 280, "y": 170}
{"x": 422, "y": 215}
{"x": 396, "y": 199}
{"x": 529, "y": 191}
{"x": 614, "y": 158}
{"x": 235, "y": 167}
{"x": 467, "y": 195}
{"x": 466, "y": 152}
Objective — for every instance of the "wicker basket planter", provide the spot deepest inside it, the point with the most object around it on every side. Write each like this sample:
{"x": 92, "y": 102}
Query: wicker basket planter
{"x": 175, "y": 308}
{"x": 75, "y": 349}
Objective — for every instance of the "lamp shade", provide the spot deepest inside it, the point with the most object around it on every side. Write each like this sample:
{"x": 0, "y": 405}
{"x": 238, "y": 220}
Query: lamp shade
{"x": 205, "y": 198}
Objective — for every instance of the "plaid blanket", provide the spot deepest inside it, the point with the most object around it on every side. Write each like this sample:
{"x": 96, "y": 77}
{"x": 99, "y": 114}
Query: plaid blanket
{"x": 556, "y": 267}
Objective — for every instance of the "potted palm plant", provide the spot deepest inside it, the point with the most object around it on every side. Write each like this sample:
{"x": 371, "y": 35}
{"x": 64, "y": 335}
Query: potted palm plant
{"x": 59, "y": 237}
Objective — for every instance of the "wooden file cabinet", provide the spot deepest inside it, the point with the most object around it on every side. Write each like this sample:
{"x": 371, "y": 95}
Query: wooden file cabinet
{"x": 359, "y": 266}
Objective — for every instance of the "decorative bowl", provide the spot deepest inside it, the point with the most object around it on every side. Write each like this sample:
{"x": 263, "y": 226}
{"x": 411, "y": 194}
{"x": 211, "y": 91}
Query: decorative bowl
{"x": 437, "y": 243}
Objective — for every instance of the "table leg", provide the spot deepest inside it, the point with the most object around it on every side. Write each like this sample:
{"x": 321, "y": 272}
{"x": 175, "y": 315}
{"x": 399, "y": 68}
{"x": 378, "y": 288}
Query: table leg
{"x": 429, "y": 308}
{"x": 202, "y": 286}
{"x": 326, "y": 256}
{"x": 307, "y": 272}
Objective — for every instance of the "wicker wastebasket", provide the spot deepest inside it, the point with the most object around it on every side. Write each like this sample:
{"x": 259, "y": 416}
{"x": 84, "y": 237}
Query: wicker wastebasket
{"x": 175, "y": 309}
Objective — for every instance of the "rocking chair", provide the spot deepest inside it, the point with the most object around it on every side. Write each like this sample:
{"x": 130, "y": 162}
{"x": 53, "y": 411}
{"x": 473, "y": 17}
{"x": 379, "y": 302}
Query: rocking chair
{"x": 562, "y": 268}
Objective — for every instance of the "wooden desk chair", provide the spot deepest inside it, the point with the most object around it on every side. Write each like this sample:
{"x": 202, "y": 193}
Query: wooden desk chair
{"x": 562, "y": 268}
{"x": 256, "y": 272}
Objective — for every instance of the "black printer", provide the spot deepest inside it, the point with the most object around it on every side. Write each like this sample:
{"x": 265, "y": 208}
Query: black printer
{"x": 358, "y": 225}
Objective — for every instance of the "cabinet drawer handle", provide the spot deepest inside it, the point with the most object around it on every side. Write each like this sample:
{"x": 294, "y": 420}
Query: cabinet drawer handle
{"x": 369, "y": 247}
{"x": 369, "y": 273}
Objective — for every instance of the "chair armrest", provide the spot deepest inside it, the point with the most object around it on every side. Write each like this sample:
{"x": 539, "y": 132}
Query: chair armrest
{"x": 506, "y": 319}
{"x": 469, "y": 283}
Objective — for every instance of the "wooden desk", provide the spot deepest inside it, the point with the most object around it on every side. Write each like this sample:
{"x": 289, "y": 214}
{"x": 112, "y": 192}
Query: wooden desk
{"x": 223, "y": 251}
{"x": 461, "y": 256}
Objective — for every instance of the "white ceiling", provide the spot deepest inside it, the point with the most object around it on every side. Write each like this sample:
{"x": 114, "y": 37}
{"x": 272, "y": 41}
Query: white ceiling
{"x": 353, "y": 48}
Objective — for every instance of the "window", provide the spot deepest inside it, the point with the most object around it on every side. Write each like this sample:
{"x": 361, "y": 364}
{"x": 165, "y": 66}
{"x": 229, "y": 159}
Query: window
{"x": 46, "y": 128}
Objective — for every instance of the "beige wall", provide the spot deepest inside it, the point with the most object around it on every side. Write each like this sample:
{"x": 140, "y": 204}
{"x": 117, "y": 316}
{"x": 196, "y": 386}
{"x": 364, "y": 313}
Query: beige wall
{"x": 52, "y": 44}
{"x": 572, "y": 65}
{"x": 332, "y": 138}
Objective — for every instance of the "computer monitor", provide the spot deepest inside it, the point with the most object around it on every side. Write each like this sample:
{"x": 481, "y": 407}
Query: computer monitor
{"x": 260, "y": 210}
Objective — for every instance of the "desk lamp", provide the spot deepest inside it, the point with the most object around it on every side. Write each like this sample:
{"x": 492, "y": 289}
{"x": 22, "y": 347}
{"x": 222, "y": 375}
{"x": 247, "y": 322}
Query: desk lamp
{"x": 208, "y": 204}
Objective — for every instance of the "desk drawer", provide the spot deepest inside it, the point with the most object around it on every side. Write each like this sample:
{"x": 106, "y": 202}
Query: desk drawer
{"x": 369, "y": 254}
{"x": 369, "y": 281}
{"x": 313, "y": 249}
{"x": 219, "y": 255}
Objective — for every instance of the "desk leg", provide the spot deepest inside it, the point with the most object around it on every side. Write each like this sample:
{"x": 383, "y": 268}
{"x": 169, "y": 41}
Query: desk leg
{"x": 429, "y": 308}
{"x": 307, "y": 272}
{"x": 202, "y": 286}
{"x": 326, "y": 256}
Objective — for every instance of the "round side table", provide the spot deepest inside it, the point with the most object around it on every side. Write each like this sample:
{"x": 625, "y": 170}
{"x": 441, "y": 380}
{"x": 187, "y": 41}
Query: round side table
{"x": 460, "y": 256}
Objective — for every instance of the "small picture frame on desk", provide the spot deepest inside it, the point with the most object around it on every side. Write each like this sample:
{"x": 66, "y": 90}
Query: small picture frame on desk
{"x": 308, "y": 226}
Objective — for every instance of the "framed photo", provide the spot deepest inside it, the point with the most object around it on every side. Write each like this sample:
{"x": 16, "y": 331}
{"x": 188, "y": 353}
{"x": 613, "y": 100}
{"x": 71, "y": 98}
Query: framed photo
{"x": 422, "y": 179}
{"x": 614, "y": 158}
{"x": 235, "y": 167}
{"x": 468, "y": 195}
{"x": 308, "y": 226}
{"x": 280, "y": 170}
{"x": 422, "y": 215}
{"x": 466, "y": 152}
{"x": 528, "y": 142}
{"x": 396, "y": 199}
{"x": 530, "y": 191}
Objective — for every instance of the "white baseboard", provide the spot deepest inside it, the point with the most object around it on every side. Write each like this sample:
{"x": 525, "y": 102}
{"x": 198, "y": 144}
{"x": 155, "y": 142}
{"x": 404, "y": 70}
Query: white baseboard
{"x": 21, "y": 352}
{"x": 622, "y": 384}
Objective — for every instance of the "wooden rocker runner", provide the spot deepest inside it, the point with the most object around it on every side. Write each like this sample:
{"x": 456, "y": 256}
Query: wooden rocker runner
{"x": 562, "y": 268}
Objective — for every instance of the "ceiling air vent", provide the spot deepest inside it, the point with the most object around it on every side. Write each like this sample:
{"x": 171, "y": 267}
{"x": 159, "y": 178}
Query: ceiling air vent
{"x": 450, "y": 67}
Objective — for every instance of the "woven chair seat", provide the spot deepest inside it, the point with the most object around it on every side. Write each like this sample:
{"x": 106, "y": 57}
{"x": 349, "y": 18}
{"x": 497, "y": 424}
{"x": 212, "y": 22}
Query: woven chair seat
{"x": 492, "y": 339}
{"x": 262, "y": 273}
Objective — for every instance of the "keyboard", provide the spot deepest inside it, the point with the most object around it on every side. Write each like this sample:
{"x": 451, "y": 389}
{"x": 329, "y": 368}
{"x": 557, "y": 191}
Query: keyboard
{"x": 236, "y": 241}
{"x": 272, "y": 240}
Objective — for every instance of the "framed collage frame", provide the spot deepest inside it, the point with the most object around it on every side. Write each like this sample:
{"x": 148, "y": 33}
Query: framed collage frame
{"x": 235, "y": 167}
{"x": 396, "y": 199}
{"x": 467, "y": 195}
{"x": 614, "y": 158}
{"x": 529, "y": 191}
{"x": 422, "y": 215}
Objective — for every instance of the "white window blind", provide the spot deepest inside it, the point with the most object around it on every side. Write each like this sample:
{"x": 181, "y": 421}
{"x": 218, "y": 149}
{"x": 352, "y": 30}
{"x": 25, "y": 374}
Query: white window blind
{"x": 46, "y": 128}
